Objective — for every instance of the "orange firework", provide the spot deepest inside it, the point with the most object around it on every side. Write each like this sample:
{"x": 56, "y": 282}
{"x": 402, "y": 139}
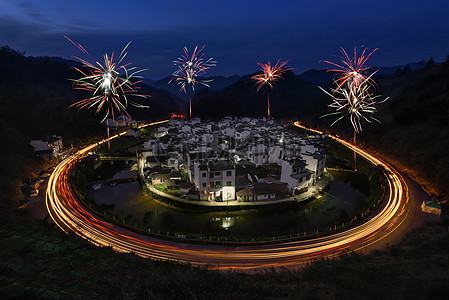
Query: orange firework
{"x": 352, "y": 70}
{"x": 270, "y": 74}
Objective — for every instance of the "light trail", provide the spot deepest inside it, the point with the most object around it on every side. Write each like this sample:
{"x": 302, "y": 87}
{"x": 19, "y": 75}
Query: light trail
{"x": 71, "y": 215}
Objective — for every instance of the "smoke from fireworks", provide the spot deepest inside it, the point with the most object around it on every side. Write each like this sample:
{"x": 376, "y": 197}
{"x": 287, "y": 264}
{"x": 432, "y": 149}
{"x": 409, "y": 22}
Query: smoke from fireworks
{"x": 190, "y": 67}
{"x": 270, "y": 74}
{"x": 109, "y": 83}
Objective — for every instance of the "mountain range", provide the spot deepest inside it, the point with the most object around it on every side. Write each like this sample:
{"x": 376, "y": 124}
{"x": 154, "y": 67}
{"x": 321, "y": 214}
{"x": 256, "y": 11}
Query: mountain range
{"x": 38, "y": 259}
{"x": 35, "y": 95}
{"x": 217, "y": 83}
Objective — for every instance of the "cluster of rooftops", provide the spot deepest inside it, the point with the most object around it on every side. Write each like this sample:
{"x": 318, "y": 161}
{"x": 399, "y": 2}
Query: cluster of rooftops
{"x": 237, "y": 159}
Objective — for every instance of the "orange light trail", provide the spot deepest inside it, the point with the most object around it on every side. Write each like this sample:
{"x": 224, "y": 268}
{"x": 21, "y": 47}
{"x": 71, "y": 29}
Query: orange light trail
{"x": 70, "y": 214}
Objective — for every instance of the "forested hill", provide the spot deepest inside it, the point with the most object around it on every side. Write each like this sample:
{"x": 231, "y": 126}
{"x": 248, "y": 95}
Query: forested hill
{"x": 42, "y": 262}
{"x": 414, "y": 126}
{"x": 35, "y": 95}
{"x": 415, "y": 122}
{"x": 289, "y": 97}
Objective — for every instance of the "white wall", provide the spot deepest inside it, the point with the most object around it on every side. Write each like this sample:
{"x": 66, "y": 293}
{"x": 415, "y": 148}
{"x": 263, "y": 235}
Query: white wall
{"x": 286, "y": 171}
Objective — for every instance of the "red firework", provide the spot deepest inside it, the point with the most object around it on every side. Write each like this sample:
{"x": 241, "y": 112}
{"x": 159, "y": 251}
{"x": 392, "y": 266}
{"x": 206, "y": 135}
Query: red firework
{"x": 352, "y": 70}
{"x": 270, "y": 74}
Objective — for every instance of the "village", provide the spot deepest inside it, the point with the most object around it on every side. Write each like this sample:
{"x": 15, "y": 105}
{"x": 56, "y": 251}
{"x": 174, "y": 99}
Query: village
{"x": 234, "y": 160}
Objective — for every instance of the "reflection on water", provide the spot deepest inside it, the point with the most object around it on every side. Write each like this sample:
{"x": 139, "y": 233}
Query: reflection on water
{"x": 348, "y": 193}
{"x": 226, "y": 222}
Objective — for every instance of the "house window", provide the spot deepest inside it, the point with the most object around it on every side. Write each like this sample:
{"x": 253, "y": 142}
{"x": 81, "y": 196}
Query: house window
{"x": 218, "y": 184}
{"x": 212, "y": 185}
{"x": 217, "y": 174}
{"x": 204, "y": 184}
{"x": 203, "y": 174}
{"x": 211, "y": 174}
{"x": 228, "y": 183}
{"x": 229, "y": 173}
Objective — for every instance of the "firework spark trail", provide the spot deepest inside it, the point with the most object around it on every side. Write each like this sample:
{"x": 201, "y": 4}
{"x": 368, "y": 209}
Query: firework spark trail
{"x": 352, "y": 96}
{"x": 268, "y": 76}
{"x": 190, "y": 67}
{"x": 355, "y": 101}
{"x": 353, "y": 70}
{"x": 108, "y": 87}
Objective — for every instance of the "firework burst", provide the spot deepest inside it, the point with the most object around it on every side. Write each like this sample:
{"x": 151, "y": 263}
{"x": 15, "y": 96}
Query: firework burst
{"x": 353, "y": 70}
{"x": 268, "y": 76}
{"x": 110, "y": 83}
{"x": 356, "y": 102}
{"x": 190, "y": 67}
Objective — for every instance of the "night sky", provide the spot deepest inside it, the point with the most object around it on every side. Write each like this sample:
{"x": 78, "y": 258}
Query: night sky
{"x": 236, "y": 33}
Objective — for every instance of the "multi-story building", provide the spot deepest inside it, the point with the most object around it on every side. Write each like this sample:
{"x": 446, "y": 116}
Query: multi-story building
{"x": 296, "y": 175}
{"x": 215, "y": 180}
{"x": 208, "y": 153}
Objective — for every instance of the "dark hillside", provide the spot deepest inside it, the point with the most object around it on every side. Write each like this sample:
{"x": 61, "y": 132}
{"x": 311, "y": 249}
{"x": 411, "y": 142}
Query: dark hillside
{"x": 39, "y": 261}
{"x": 289, "y": 97}
{"x": 35, "y": 94}
{"x": 415, "y": 120}
{"x": 415, "y": 124}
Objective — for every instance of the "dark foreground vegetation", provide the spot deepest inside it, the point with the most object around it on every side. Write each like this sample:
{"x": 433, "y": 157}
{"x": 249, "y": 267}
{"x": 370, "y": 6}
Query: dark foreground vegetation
{"x": 37, "y": 260}
{"x": 40, "y": 261}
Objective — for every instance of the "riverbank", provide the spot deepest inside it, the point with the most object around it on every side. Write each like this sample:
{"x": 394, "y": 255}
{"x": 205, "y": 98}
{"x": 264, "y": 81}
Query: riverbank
{"x": 236, "y": 205}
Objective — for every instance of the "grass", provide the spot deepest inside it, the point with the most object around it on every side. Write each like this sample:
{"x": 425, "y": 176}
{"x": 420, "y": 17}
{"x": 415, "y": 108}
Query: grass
{"x": 41, "y": 262}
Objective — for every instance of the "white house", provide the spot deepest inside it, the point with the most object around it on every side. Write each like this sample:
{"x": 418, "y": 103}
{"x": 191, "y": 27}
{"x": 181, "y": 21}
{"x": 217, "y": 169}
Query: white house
{"x": 257, "y": 154}
{"x": 161, "y": 131}
{"x": 295, "y": 174}
{"x": 186, "y": 128}
{"x": 49, "y": 145}
{"x": 198, "y": 150}
{"x": 229, "y": 131}
{"x": 275, "y": 154}
{"x": 215, "y": 180}
{"x": 315, "y": 163}
{"x": 195, "y": 120}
